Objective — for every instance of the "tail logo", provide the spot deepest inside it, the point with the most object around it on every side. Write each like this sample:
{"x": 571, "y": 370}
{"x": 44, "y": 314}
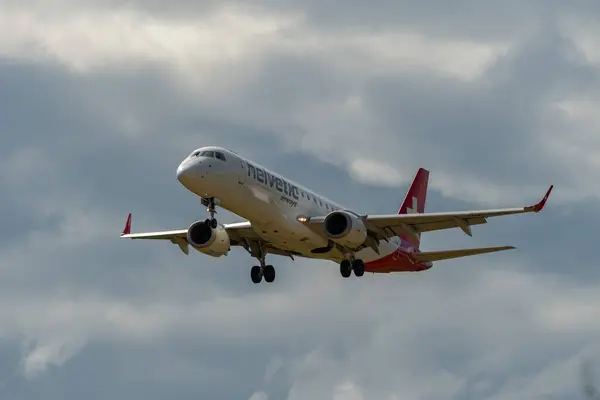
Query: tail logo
{"x": 414, "y": 208}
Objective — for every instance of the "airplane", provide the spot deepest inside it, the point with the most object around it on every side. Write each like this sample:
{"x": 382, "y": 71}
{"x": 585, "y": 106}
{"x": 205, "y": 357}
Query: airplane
{"x": 287, "y": 219}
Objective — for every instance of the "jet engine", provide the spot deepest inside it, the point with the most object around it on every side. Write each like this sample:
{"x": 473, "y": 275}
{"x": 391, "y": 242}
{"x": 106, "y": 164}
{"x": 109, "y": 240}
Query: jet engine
{"x": 345, "y": 228}
{"x": 213, "y": 242}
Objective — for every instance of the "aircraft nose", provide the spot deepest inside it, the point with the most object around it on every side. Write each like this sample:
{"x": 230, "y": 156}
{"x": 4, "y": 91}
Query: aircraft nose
{"x": 181, "y": 171}
{"x": 184, "y": 171}
{"x": 190, "y": 172}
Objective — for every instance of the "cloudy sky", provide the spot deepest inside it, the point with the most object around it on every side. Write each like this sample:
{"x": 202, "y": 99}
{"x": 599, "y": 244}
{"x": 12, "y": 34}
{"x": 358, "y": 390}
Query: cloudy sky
{"x": 101, "y": 99}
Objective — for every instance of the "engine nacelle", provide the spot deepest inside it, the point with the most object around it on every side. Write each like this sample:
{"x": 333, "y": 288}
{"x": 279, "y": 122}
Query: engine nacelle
{"x": 345, "y": 228}
{"x": 205, "y": 239}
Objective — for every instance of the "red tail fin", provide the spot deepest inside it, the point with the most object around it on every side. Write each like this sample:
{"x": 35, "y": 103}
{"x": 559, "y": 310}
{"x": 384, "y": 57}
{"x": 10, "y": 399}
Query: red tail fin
{"x": 414, "y": 202}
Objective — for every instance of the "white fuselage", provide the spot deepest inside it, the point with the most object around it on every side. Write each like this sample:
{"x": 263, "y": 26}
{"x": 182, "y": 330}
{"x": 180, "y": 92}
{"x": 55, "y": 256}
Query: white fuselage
{"x": 271, "y": 202}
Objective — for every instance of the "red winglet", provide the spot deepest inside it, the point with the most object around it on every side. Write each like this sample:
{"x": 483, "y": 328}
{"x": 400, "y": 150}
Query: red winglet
{"x": 127, "y": 229}
{"x": 538, "y": 207}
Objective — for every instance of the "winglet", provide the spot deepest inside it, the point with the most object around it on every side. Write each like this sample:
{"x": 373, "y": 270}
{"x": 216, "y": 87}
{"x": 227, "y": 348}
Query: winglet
{"x": 539, "y": 206}
{"x": 127, "y": 229}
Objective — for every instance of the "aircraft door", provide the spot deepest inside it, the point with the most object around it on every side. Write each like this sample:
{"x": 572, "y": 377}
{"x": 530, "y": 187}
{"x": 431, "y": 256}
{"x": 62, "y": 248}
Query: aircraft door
{"x": 243, "y": 172}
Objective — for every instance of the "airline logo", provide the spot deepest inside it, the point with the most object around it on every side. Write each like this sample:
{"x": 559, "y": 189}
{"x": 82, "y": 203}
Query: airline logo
{"x": 415, "y": 206}
{"x": 275, "y": 182}
{"x": 413, "y": 210}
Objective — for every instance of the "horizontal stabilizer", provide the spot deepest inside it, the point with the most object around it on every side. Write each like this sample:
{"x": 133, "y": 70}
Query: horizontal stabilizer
{"x": 448, "y": 254}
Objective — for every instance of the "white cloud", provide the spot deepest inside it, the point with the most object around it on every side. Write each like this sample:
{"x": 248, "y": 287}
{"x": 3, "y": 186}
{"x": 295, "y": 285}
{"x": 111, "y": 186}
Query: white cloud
{"x": 273, "y": 367}
{"x": 259, "y": 396}
{"x": 210, "y": 49}
{"x": 56, "y": 352}
{"x": 87, "y": 40}
{"x": 398, "y": 52}
{"x": 347, "y": 391}
{"x": 373, "y": 172}
{"x": 585, "y": 34}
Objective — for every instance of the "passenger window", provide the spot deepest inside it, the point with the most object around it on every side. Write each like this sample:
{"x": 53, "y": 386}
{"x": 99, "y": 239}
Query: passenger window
{"x": 220, "y": 156}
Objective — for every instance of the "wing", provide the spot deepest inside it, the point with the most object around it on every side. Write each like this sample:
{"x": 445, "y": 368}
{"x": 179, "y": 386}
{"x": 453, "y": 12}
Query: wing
{"x": 432, "y": 256}
{"x": 386, "y": 226}
{"x": 240, "y": 234}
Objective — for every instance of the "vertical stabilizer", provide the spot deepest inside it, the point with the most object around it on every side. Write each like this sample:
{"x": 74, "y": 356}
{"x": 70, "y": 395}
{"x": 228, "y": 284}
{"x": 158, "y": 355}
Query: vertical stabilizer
{"x": 414, "y": 202}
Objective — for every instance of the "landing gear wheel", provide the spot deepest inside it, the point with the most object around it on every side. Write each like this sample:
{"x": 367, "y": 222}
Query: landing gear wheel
{"x": 359, "y": 267}
{"x": 211, "y": 209}
{"x": 345, "y": 268}
{"x": 269, "y": 273}
{"x": 256, "y": 274}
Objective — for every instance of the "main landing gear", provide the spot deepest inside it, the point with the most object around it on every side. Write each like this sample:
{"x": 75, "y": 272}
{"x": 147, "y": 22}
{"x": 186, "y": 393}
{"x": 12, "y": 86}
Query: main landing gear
{"x": 211, "y": 208}
{"x": 257, "y": 272}
{"x": 351, "y": 264}
{"x": 266, "y": 271}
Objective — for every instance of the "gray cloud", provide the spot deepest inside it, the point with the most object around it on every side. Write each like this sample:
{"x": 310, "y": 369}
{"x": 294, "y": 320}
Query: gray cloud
{"x": 88, "y": 314}
{"x": 494, "y": 123}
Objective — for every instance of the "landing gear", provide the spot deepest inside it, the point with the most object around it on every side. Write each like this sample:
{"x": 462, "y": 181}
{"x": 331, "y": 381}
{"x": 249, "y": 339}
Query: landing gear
{"x": 351, "y": 264}
{"x": 212, "y": 222}
{"x": 258, "y": 272}
{"x": 211, "y": 208}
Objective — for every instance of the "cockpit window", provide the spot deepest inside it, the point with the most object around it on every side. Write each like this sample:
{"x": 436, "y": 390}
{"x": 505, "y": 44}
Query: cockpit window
{"x": 208, "y": 153}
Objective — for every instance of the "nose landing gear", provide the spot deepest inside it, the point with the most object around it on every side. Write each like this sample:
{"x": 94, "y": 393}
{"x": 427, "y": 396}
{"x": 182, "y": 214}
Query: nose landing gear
{"x": 211, "y": 208}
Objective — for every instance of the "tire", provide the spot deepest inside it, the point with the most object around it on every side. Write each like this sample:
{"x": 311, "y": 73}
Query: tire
{"x": 269, "y": 273}
{"x": 256, "y": 274}
{"x": 359, "y": 267}
{"x": 345, "y": 268}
